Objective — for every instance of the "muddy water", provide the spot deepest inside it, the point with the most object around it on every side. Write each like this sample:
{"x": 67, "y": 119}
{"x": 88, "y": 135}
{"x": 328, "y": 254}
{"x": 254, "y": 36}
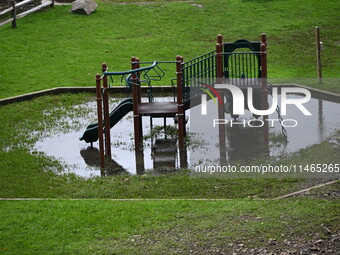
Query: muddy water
{"x": 161, "y": 152}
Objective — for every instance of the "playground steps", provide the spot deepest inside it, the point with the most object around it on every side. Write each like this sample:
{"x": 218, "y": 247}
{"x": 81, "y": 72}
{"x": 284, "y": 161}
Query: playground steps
{"x": 164, "y": 155}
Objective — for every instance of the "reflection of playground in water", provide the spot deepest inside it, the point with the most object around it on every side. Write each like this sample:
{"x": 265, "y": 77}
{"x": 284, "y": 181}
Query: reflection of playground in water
{"x": 244, "y": 143}
{"x": 160, "y": 155}
{"x": 164, "y": 156}
{"x": 91, "y": 158}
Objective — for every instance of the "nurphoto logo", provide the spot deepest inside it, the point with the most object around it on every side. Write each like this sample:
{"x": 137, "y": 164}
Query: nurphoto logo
{"x": 238, "y": 104}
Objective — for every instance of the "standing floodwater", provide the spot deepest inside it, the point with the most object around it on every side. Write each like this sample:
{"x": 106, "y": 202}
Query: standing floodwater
{"x": 160, "y": 152}
{"x": 83, "y": 160}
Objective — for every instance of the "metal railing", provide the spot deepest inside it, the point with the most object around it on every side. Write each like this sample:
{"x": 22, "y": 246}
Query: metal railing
{"x": 242, "y": 68}
{"x": 141, "y": 75}
{"x": 202, "y": 68}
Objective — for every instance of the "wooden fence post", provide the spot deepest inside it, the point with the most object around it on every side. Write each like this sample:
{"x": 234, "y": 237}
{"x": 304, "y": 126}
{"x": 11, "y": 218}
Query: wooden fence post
{"x": 14, "y": 15}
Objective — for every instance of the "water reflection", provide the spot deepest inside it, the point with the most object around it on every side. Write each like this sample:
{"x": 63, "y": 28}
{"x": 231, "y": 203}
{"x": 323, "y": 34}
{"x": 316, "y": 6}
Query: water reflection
{"x": 321, "y": 120}
{"x": 245, "y": 143}
{"x": 164, "y": 152}
{"x": 224, "y": 144}
{"x": 91, "y": 158}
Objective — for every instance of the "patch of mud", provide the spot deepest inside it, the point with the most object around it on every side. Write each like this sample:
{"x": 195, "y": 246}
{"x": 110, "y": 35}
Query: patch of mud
{"x": 328, "y": 192}
{"x": 315, "y": 246}
{"x": 306, "y": 244}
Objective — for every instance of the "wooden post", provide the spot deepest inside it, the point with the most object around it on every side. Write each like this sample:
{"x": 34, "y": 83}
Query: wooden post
{"x": 100, "y": 121}
{"x": 14, "y": 15}
{"x": 220, "y": 39}
{"x": 139, "y": 95}
{"x": 136, "y": 117}
{"x": 264, "y": 38}
{"x": 139, "y": 156}
{"x": 180, "y": 106}
{"x": 263, "y": 55}
{"x": 318, "y": 53}
{"x": 219, "y": 58}
{"x": 138, "y": 81}
{"x": 106, "y": 113}
{"x": 264, "y": 86}
{"x": 219, "y": 76}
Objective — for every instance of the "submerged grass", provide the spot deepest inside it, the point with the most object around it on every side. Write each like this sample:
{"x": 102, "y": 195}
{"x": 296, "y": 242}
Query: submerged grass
{"x": 27, "y": 121}
{"x": 53, "y": 48}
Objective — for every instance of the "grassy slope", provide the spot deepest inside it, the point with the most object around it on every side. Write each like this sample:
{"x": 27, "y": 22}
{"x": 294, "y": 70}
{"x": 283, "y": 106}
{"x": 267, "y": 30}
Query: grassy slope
{"x": 53, "y": 48}
{"x": 156, "y": 227}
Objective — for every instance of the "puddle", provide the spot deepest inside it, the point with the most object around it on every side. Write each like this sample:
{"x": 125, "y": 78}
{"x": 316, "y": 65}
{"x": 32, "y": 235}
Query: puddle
{"x": 323, "y": 123}
{"x": 161, "y": 152}
{"x": 246, "y": 143}
{"x": 79, "y": 158}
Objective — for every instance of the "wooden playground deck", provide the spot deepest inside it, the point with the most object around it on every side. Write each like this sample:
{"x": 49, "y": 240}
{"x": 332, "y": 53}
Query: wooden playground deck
{"x": 158, "y": 109}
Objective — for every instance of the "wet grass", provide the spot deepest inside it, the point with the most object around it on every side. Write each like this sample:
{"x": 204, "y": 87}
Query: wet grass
{"x": 25, "y": 122}
{"x": 158, "y": 227}
{"x": 53, "y": 48}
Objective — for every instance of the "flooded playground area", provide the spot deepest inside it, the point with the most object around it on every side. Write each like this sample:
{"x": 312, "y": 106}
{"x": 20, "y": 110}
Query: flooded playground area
{"x": 80, "y": 158}
{"x": 160, "y": 152}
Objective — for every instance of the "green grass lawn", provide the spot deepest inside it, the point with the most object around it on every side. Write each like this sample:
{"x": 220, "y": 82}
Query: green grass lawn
{"x": 158, "y": 227}
{"x": 53, "y": 48}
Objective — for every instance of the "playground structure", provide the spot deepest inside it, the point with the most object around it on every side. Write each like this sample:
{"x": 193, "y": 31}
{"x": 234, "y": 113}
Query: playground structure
{"x": 226, "y": 63}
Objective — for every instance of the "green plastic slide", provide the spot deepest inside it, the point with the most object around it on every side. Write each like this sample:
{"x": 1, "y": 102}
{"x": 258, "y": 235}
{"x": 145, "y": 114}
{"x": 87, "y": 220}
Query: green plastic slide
{"x": 91, "y": 133}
